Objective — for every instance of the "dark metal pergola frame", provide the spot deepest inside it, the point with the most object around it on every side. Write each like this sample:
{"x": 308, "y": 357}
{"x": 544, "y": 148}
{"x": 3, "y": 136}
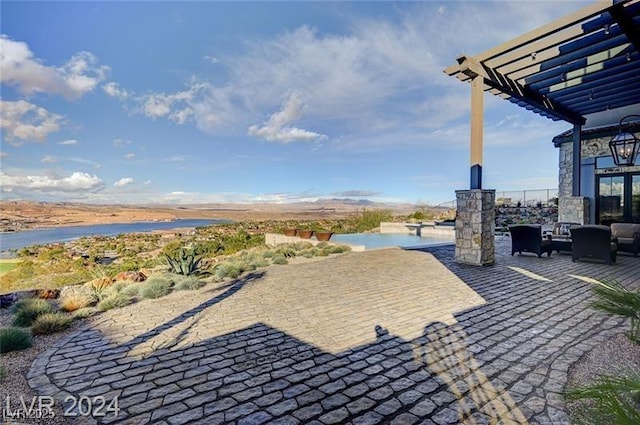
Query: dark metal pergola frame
{"x": 585, "y": 63}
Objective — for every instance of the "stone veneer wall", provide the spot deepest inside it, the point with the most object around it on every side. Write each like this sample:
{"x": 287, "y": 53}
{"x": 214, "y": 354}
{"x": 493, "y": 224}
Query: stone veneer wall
{"x": 475, "y": 225}
{"x": 573, "y": 209}
{"x": 590, "y": 148}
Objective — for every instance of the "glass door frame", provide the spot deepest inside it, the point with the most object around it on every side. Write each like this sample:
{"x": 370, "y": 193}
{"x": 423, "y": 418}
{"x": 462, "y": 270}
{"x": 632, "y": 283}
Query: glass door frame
{"x": 627, "y": 200}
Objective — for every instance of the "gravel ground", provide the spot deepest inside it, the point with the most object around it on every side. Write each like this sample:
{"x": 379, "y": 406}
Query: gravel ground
{"x": 16, "y": 365}
{"x": 611, "y": 358}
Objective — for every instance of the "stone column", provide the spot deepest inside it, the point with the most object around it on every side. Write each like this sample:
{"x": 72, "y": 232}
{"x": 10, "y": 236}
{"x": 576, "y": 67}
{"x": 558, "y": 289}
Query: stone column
{"x": 573, "y": 209}
{"x": 475, "y": 226}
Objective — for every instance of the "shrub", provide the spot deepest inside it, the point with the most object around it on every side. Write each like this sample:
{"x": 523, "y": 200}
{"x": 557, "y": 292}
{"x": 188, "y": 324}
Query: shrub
{"x": 3, "y": 373}
{"x": 73, "y": 298}
{"x": 83, "y": 313}
{"x": 156, "y": 287}
{"x": 229, "y": 269}
{"x": 12, "y": 339}
{"x": 49, "y": 323}
{"x": 185, "y": 283}
{"x": 27, "y": 310}
{"x": 131, "y": 290}
{"x": 114, "y": 301}
{"x": 185, "y": 262}
{"x": 280, "y": 260}
{"x": 369, "y": 219}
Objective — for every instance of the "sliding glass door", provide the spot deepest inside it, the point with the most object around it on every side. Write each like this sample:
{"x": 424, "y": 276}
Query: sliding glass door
{"x": 618, "y": 198}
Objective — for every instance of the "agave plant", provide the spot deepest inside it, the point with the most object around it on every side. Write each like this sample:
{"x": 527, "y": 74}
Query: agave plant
{"x": 186, "y": 262}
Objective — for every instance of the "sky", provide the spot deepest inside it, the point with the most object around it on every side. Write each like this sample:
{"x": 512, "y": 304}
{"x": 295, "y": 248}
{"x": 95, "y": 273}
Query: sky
{"x": 203, "y": 102}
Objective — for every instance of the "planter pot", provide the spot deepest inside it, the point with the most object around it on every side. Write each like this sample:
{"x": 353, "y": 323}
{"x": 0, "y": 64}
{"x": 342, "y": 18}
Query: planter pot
{"x": 323, "y": 236}
{"x": 290, "y": 232}
{"x": 305, "y": 234}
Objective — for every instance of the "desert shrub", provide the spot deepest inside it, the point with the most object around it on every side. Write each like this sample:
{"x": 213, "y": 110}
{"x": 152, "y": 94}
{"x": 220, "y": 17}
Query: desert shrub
{"x": 49, "y": 323}
{"x": 76, "y": 297}
{"x": 259, "y": 262}
{"x": 369, "y": 219}
{"x": 83, "y": 313}
{"x": 229, "y": 269}
{"x": 279, "y": 260}
{"x": 118, "y": 286}
{"x": 286, "y": 251}
{"x": 27, "y": 310}
{"x": 131, "y": 290}
{"x": 114, "y": 301}
{"x": 339, "y": 249}
{"x": 156, "y": 287}
{"x": 12, "y": 339}
{"x": 268, "y": 254}
{"x": 186, "y": 283}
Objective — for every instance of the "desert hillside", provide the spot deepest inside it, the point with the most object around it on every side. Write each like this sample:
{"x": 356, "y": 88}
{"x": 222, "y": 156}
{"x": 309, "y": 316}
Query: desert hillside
{"x": 21, "y": 215}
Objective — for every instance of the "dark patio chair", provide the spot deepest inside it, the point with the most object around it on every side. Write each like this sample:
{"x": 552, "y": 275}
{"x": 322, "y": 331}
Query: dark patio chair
{"x": 593, "y": 241}
{"x": 528, "y": 238}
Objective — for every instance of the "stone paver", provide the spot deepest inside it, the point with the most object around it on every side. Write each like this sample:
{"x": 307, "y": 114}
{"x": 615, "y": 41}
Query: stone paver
{"x": 385, "y": 336}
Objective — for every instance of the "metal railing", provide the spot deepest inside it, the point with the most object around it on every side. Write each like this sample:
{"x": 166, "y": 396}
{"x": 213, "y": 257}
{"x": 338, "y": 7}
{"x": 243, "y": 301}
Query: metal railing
{"x": 519, "y": 198}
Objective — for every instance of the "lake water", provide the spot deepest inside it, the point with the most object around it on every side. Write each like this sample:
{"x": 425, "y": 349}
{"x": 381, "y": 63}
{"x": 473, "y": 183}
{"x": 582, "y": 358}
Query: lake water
{"x": 17, "y": 240}
{"x": 384, "y": 240}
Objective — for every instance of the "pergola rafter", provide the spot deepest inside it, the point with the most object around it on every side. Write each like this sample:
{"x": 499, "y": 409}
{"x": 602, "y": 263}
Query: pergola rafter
{"x": 581, "y": 64}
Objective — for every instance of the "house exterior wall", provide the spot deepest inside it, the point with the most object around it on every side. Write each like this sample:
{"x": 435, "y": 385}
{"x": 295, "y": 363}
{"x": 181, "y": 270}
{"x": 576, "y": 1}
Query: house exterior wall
{"x": 591, "y": 148}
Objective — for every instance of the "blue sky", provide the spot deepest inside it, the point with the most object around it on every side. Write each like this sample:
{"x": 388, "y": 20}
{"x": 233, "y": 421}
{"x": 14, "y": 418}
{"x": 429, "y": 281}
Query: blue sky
{"x": 193, "y": 102}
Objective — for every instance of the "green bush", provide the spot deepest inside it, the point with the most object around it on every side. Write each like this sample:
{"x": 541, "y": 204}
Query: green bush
{"x": 187, "y": 283}
{"x": 156, "y": 287}
{"x": 279, "y": 260}
{"x": 12, "y": 339}
{"x": 27, "y": 310}
{"x": 114, "y": 301}
{"x": 229, "y": 269}
{"x": 131, "y": 290}
{"x": 49, "y": 323}
{"x": 83, "y": 313}
{"x": 369, "y": 219}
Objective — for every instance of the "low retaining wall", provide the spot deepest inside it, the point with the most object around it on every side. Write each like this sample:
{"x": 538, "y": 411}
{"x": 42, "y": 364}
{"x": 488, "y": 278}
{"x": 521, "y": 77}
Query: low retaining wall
{"x": 425, "y": 228}
{"x": 273, "y": 239}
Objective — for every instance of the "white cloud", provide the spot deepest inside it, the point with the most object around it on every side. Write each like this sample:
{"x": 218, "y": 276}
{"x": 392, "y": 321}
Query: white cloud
{"x": 276, "y": 129}
{"x": 123, "y": 182}
{"x": 148, "y": 182}
{"x": 76, "y": 182}
{"x": 20, "y": 68}
{"x": 68, "y": 142}
{"x": 24, "y": 121}
{"x": 114, "y": 90}
{"x": 3, "y": 154}
{"x": 119, "y": 142}
{"x": 130, "y": 156}
{"x": 49, "y": 159}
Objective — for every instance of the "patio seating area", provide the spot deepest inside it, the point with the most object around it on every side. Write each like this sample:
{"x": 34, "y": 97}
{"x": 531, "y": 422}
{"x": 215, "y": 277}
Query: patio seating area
{"x": 381, "y": 336}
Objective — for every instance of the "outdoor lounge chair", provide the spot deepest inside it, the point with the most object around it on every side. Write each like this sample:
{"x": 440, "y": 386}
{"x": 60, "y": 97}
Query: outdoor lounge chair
{"x": 628, "y": 235}
{"x": 528, "y": 238}
{"x": 593, "y": 241}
